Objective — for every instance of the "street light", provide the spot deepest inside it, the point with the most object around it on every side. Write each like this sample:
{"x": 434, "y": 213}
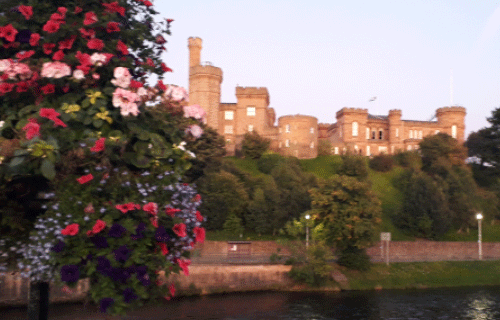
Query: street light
{"x": 307, "y": 230}
{"x": 479, "y": 218}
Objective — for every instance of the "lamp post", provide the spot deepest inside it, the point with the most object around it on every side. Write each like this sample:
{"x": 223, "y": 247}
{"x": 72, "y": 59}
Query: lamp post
{"x": 307, "y": 230}
{"x": 479, "y": 218}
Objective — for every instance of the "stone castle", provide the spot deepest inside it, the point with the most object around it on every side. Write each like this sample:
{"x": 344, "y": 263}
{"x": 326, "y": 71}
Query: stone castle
{"x": 355, "y": 131}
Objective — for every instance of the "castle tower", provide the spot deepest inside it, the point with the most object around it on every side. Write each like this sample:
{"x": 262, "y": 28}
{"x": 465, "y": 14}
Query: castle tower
{"x": 452, "y": 121}
{"x": 396, "y": 130}
{"x": 298, "y": 136}
{"x": 204, "y": 83}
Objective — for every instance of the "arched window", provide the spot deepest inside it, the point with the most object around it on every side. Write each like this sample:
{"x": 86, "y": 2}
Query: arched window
{"x": 354, "y": 129}
{"x": 367, "y": 133}
{"x": 454, "y": 131}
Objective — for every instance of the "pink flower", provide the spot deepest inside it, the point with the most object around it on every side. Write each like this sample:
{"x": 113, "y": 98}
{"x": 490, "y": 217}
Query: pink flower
{"x": 122, "y": 47}
{"x": 161, "y": 86}
{"x": 195, "y": 130}
{"x": 180, "y": 230}
{"x": 32, "y": 129}
{"x": 47, "y": 47}
{"x": 68, "y": 43}
{"x": 62, "y": 10}
{"x": 78, "y": 74}
{"x": 199, "y": 217}
{"x": 199, "y": 234}
{"x": 8, "y": 32}
{"x": 151, "y": 208}
{"x": 163, "y": 247}
{"x": 59, "y": 55}
{"x": 122, "y": 77}
{"x": 58, "y": 122}
{"x": 34, "y": 38}
{"x": 194, "y": 111}
{"x": 124, "y": 208}
{"x": 98, "y": 226}
{"x": 26, "y": 11}
{"x": 49, "y": 113}
{"x": 125, "y": 100}
{"x": 95, "y": 44}
{"x": 171, "y": 211}
{"x": 5, "y": 64}
{"x": 184, "y": 264}
{"x": 85, "y": 179}
{"x": 70, "y": 230}
{"x": 176, "y": 93}
{"x": 87, "y": 34}
{"x": 51, "y": 26}
{"x": 25, "y": 54}
{"x": 98, "y": 146}
{"x": 78, "y": 10}
{"x": 98, "y": 59}
{"x": 90, "y": 18}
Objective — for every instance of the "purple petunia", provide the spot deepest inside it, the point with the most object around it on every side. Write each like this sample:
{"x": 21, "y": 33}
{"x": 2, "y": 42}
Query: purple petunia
{"x": 122, "y": 254}
{"x": 142, "y": 275}
{"x": 103, "y": 266}
{"x": 116, "y": 230}
{"x": 23, "y": 36}
{"x": 139, "y": 231}
{"x": 161, "y": 234}
{"x": 99, "y": 242}
{"x": 105, "y": 303}
{"x": 70, "y": 273}
{"x": 58, "y": 247}
{"x": 129, "y": 295}
{"x": 120, "y": 274}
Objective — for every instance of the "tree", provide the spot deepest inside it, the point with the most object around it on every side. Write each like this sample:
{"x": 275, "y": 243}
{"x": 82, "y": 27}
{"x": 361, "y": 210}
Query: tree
{"x": 254, "y": 145}
{"x": 76, "y": 107}
{"x": 354, "y": 166}
{"x": 441, "y": 146}
{"x": 349, "y": 211}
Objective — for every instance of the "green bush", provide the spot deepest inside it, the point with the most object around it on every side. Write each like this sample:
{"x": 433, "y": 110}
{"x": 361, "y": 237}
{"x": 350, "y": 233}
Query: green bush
{"x": 268, "y": 162}
{"x": 354, "y": 166}
{"x": 382, "y": 163}
{"x": 354, "y": 258}
{"x": 409, "y": 159}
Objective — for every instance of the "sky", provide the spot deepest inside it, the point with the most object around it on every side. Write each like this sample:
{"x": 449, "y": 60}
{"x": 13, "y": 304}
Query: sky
{"x": 316, "y": 57}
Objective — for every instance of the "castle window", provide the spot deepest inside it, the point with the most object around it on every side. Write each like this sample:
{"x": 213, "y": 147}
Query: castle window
{"x": 454, "y": 131}
{"x": 420, "y": 134}
{"x": 380, "y": 134}
{"x": 228, "y": 129}
{"x": 228, "y": 141}
{"x": 251, "y": 111}
{"x": 392, "y": 149}
{"x": 250, "y": 127}
{"x": 382, "y": 149}
{"x": 336, "y": 150}
{"x": 368, "y": 151}
{"x": 287, "y": 143}
{"x": 279, "y": 145}
{"x": 397, "y": 132}
{"x": 367, "y": 133}
{"x": 436, "y": 132}
{"x": 312, "y": 145}
{"x": 287, "y": 128}
{"x": 409, "y": 148}
{"x": 311, "y": 130}
{"x": 374, "y": 135}
{"x": 354, "y": 129}
{"x": 229, "y": 115}
{"x": 411, "y": 135}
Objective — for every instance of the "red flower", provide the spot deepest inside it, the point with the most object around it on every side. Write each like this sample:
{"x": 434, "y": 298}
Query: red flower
{"x": 150, "y": 62}
{"x": 62, "y": 10}
{"x": 197, "y": 198}
{"x": 65, "y": 89}
{"x": 112, "y": 27}
{"x": 57, "y": 17}
{"x": 148, "y": 3}
{"x": 90, "y": 18}
{"x": 98, "y": 146}
{"x": 95, "y": 44}
{"x": 58, "y": 122}
{"x": 87, "y": 34}
{"x": 98, "y": 226}
{"x": 165, "y": 68}
{"x": 180, "y": 230}
{"x": 122, "y": 47}
{"x": 199, "y": 217}
{"x": 58, "y": 56}
{"x": 184, "y": 264}
{"x": 114, "y": 7}
{"x": 48, "y": 88}
{"x": 8, "y": 32}
{"x": 171, "y": 288}
{"x": 154, "y": 221}
{"x": 49, "y": 113}
{"x": 83, "y": 58}
{"x": 47, "y": 47}
{"x": 34, "y": 38}
{"x": 199, "y": 234}
{"x": 51, "y": 26}
{"x": 70, "y": 230}
{"x": 160, "y": 40}
{"x": 163, "y": 247}
{"x": 170, "y": 20}
{"x": 108, "y": 56}
{"x": 68, "y": 43}
{"x": 22, "y": 86}
{"x": 25, "y": 55}
{"x": 135, "y": 84}
{"x": 6, "y": 87}
{"x": 151, "y": 208}
{"x": 78, "y": 10}
{"x": 26, "y": 11}
{"x": 171, "y": 211}
{"x": 32, "y": 129}
{"x": 85, "y": 179}
{"x": 161, "y": 86}
{"x": 124, "y": 208}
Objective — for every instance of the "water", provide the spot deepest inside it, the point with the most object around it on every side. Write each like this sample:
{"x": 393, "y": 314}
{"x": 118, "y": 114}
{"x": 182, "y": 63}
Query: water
{"x": 480, "y": 303}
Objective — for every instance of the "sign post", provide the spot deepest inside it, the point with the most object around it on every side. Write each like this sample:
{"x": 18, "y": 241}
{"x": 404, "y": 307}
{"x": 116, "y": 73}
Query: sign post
{"x": 385, "y": 238}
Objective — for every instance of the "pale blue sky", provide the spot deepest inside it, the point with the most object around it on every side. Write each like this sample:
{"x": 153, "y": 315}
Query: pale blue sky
{"x": 316, "y": 57}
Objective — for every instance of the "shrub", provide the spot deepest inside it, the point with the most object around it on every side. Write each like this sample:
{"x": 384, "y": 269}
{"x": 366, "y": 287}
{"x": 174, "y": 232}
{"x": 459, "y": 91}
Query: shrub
{"x": 354, "y": 258}
{"x": 254, "y": 145}
{"x": 354, "y": 166}
{"x": 268, "y": 162}
{"x": 409, "y": 159}
{"x": 382, "y": 163}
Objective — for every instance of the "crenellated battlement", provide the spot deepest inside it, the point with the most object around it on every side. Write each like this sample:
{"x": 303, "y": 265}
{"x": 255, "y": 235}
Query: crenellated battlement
{"x": 251, "y": 91}
{"x": 297, "y": 117}
{"x": 205, "y": 70}
{"x": 395, "y": 112}
{"x": 451, "y": 109}
{"x": 345, "y": 111}
{"x": 194, "y": 42}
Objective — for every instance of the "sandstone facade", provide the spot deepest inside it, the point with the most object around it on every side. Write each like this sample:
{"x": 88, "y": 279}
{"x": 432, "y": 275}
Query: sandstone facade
{"x": 355, "y": 130}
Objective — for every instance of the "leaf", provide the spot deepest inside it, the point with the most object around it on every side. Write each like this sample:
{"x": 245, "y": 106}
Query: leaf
{"x": 87, "y": 121}
{"x": 98, "y": 123}
{"x": 85, "y": 103}
{"x": 20, "y": 152}
{"x": 48, "y": 169}
{"x": 53, "y": 142}
{"x": 16, "y": 161}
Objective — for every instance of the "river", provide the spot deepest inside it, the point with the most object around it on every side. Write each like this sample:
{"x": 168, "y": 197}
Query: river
{"x": 478, "y": 303}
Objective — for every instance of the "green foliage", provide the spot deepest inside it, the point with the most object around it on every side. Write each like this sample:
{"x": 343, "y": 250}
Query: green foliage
{"x": 409, "y": 159}
{"x": 254, "y": 145}
{"x": 354, "y": 166}
{"x": 233, "y": 225}
{"x": 324, "y": 147}
{"x": 441, "y": 148}
{"x": 223, "y": 195}
{"x": 382, "y": 163}
{"x": 269, "y": 161}
{"x": 323, "y": 166}
{"x": 354, "y": 258}
{"x": 348, "y": 209}
{"x": 316, "y": 271}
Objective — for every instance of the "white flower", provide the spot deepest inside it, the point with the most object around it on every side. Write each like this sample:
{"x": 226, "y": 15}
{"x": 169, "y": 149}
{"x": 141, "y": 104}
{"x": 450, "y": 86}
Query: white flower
{"x": 78, "y": 74}
{"x": 180, "y": 146}
{"x": 2, "y": 123}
